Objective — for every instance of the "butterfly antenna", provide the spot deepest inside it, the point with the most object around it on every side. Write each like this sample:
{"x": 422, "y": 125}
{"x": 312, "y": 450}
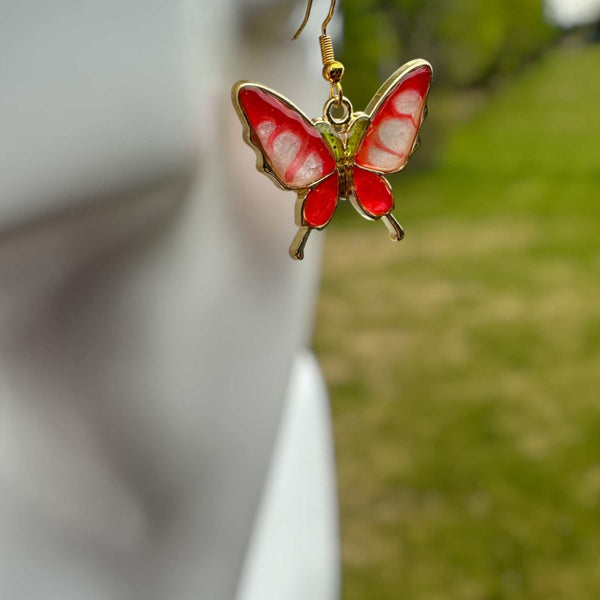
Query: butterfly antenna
{"x": 298, "y": 243}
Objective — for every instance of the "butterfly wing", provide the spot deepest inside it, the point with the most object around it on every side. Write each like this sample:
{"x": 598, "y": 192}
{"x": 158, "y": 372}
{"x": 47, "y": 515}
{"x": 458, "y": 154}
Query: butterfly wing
{"x": 318, "y": 206}
{"x": 289, "y": 147}
{"x": 372, "y": 193}
{"x": 396, "y": 114}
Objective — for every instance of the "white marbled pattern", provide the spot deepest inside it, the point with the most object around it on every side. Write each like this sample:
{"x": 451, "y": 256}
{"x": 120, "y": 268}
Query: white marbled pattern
{"x": 284, "y": 150}
{"x": 382, "y": 160}
{"x": 264, "y": 131}
{"x": 397, "y": 135}
{"x": 409, "y": 103}
{"x": 310, "y": 171}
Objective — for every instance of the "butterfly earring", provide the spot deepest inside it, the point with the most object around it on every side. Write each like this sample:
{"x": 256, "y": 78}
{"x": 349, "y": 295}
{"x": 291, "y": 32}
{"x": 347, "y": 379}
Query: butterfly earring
{"x": 344, "y": 155}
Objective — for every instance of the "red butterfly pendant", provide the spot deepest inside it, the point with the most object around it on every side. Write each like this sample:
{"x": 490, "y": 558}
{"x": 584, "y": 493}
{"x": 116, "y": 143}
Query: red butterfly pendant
{"x": 337, "y": 157}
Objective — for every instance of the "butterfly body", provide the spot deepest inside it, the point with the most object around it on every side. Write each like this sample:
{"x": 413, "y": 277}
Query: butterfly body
{"x": 334, "y": 158}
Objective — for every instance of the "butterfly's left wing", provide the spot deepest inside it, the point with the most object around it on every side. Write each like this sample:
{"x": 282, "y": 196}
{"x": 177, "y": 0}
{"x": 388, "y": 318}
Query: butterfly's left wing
{"x": 289, "y": 148}
{"x": 396, "y": 113}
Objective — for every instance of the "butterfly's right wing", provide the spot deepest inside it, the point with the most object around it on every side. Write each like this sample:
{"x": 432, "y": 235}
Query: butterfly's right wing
{"x": 396, "y": 112}
{"x": 395, "y": 115}
{"x": 289, "y": 147}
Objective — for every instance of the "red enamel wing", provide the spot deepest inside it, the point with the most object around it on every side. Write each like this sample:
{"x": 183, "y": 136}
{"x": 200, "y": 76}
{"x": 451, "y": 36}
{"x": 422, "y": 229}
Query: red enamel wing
{"x": 333, "y": 158}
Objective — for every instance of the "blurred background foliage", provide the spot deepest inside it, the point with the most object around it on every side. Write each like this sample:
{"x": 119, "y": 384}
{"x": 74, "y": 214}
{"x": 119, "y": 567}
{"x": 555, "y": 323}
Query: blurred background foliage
{"x": 464, "y": 364}
{"x": 468, "y": 41}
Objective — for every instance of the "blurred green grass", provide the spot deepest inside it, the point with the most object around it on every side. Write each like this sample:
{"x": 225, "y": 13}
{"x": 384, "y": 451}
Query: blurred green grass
{"x": 464, "y": 364}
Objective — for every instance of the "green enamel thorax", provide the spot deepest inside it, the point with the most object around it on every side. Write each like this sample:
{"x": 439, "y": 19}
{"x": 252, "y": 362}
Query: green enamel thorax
{"x": 334, "y": 142}
{"x": 343, "y": 141}
{"x": 356, "y": 132}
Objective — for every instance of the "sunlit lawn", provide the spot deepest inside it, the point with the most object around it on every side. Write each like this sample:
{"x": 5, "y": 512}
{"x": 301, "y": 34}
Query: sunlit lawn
{"x": 464, "y": 363}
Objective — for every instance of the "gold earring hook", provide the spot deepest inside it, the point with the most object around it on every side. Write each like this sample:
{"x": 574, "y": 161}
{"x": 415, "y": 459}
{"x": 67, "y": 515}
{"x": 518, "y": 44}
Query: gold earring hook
{"x": 332, "y": 69}
{"x": 325, "y": 22}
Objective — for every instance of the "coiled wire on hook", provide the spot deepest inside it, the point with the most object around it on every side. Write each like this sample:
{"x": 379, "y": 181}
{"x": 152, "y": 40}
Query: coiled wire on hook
{"x": 326, "y": 44}
{"x": 333, "y": 70}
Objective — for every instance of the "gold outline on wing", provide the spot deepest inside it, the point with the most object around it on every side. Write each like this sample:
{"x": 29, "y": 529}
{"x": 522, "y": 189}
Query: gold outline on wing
{"x": 263, "y": 163}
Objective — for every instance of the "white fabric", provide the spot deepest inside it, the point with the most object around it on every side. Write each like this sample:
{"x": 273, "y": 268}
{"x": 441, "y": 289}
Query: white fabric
{"x": 293, "y": 553}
